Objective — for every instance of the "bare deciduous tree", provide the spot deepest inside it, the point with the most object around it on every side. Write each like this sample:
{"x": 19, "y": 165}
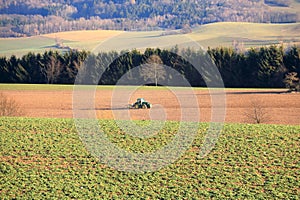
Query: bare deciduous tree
{"x": 257, "y": 113}
{"x": 9, "y": 107}
{"x": 53, "y": 70}
{"x": 153, "y": 70}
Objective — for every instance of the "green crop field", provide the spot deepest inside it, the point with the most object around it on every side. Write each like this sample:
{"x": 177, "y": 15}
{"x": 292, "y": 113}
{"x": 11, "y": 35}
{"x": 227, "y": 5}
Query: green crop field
{"x": 44, "y": 158}
{"x": 210, "y": 35}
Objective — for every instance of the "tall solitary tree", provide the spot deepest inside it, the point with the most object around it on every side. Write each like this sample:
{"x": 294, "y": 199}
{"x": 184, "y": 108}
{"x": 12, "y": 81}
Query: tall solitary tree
{"x": 153, "y": 70}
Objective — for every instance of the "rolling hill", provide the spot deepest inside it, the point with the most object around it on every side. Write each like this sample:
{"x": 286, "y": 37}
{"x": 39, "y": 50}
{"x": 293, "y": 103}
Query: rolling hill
{"x": 243, "y": 35}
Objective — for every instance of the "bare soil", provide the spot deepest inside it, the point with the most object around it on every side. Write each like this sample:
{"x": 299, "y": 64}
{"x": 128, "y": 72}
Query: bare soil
{"x": 277, "y": 106}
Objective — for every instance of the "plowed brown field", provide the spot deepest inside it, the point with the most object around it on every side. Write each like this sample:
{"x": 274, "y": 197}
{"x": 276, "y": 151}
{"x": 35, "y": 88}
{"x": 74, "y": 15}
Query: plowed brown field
{"x": 277, "y": 106}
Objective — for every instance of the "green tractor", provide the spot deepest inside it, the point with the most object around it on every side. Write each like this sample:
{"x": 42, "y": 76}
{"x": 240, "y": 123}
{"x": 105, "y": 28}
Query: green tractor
{"x": 140, "y": 103}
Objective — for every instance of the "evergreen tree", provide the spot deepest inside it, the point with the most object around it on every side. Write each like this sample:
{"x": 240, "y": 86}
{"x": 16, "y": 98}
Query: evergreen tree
{"x": 292, "y": 60}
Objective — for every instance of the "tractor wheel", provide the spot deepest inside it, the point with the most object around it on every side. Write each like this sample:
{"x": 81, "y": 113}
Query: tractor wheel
{"x": 136, "y": 106}
{"x": 144, "y": 106}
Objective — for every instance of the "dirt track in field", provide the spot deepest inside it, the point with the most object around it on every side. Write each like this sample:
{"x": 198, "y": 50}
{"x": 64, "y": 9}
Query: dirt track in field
{"x": 277, "y": 107}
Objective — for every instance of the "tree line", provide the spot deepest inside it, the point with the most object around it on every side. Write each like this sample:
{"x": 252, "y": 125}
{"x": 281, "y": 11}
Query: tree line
{"x": 257, "y": 67}
{"x": 31, "y": 17}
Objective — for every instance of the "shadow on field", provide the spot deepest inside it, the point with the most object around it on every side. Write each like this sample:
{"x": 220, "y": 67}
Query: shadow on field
{"x": 106, "y": 109}
{"x": 245, "y": 92}
{"x": 257, "y": 92}
{"x": 112, "y": 108}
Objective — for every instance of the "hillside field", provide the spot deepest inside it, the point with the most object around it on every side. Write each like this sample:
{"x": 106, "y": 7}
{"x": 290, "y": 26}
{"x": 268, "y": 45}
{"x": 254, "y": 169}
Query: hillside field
{"x": 210, "y": 35}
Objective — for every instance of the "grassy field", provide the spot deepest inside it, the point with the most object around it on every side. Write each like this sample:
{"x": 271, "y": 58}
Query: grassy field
{"x": 57, "y": 87}
{"x": 212, "y": 35}
{"x": 24, "y": 87}
{"x": 44, "y": 158}
{"x": 52, "y": 87}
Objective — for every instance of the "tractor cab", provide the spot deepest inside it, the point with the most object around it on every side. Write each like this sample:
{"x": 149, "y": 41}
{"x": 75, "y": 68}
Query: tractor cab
{"x": 140, "y": 100}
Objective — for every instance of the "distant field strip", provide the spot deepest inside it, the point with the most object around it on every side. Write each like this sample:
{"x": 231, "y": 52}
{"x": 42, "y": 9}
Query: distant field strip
{"x": 45, "y": 87}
